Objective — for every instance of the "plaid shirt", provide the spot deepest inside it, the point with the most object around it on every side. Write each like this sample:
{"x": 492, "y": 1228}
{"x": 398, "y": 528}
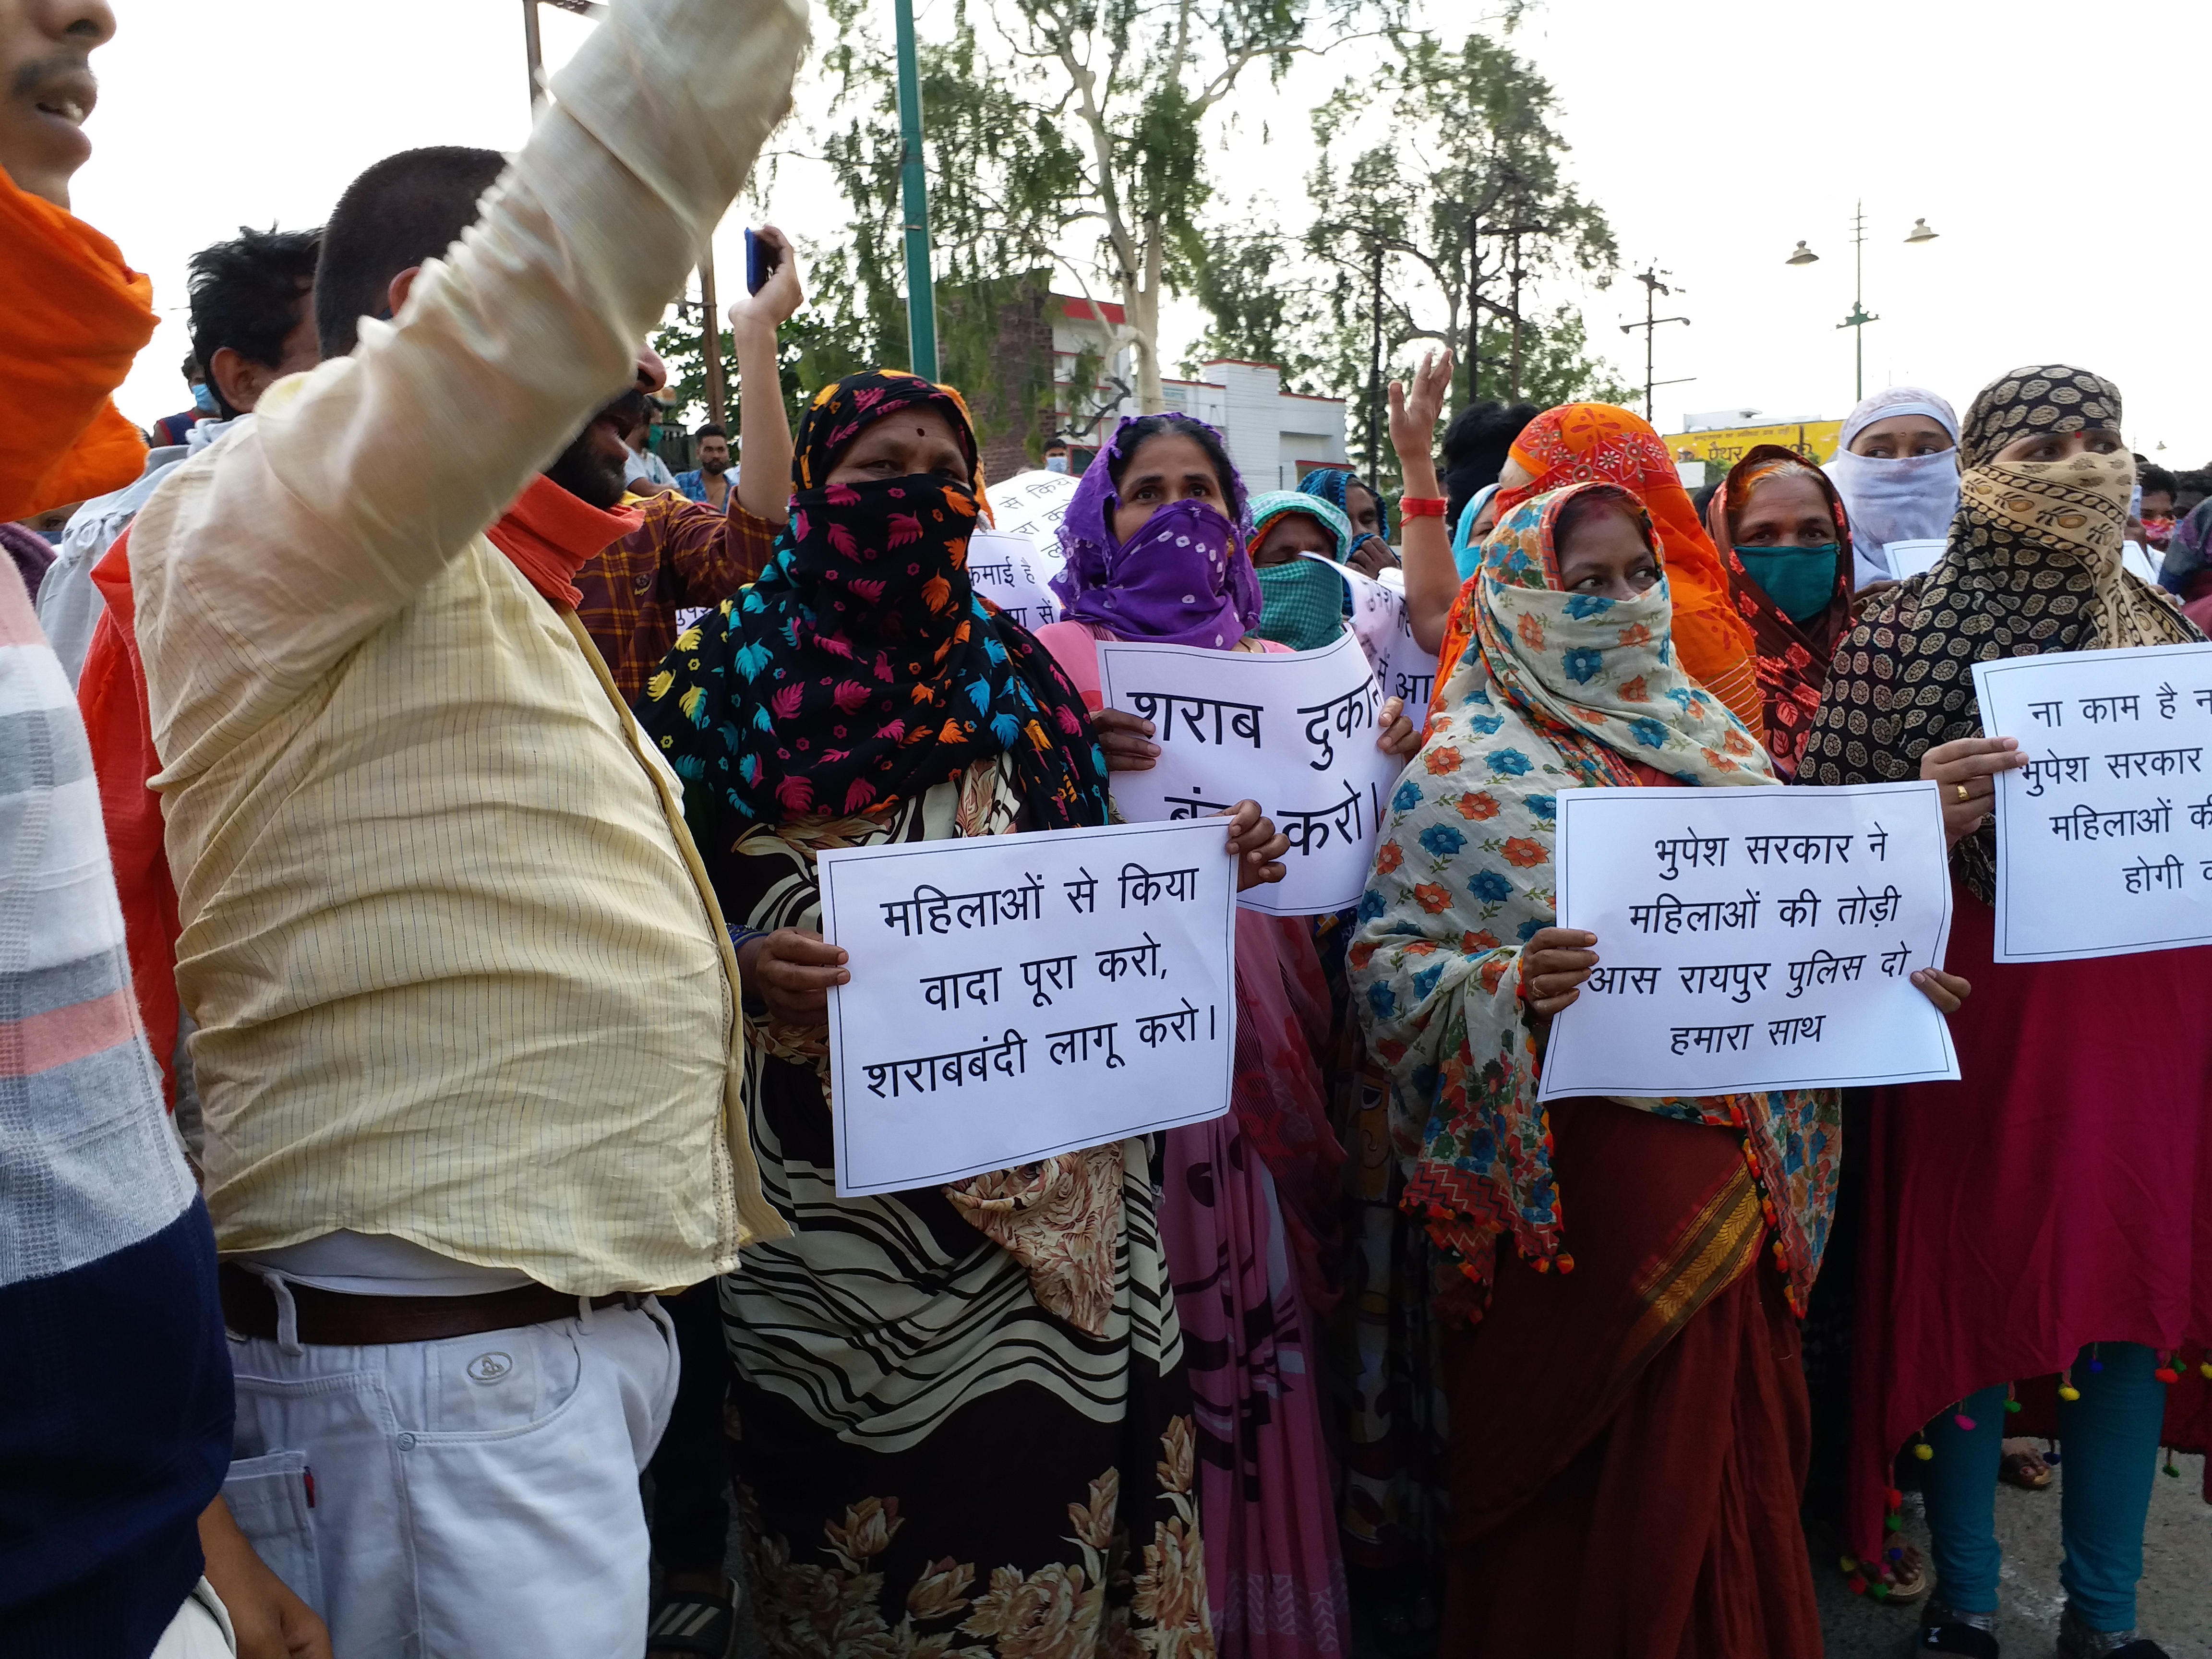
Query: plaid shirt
{"x": 684, "y": 556}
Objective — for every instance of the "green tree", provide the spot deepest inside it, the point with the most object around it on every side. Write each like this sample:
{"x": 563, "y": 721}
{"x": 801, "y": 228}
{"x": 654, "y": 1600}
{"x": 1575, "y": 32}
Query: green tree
{"x": 1085, "y": 115}
{"x": 1447, "y": 167}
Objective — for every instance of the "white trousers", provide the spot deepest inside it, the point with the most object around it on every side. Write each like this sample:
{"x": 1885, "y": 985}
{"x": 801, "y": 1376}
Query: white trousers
{"x": 446, "y": 1500}
{"x": 201, "y": 1629}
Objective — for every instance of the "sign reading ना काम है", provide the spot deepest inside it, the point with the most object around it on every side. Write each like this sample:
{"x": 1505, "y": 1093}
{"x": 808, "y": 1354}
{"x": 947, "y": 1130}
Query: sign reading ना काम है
{"x": 1013, "y": 997}
{"x": 1295, "y": 731}
{"x": 2105, "y": 835}
{"x": 1752, "y": 939}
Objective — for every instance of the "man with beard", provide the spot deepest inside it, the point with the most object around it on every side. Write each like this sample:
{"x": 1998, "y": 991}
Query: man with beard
{"x": 710, "y": 481}
{"x": 466, "y": 1004}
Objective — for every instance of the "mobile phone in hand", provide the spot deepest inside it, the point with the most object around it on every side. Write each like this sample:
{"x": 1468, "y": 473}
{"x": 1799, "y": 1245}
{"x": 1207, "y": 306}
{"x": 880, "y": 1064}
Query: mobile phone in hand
{"x": 761, "y": 261}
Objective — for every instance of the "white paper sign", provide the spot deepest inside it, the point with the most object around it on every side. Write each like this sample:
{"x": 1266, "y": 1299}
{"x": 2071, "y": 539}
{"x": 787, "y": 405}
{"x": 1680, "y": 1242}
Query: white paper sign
{"x": 1911, "y": 558}
{"x": 1294, "y": 730}
{"x": 1014, "y": 997}
{"x": 1402, "y": 668}
{"x": 2104, "y": 837}
{"x": 1032, "y": 504}
{"x": 1009, "y": 571}
{"x": 1752, "y": 939}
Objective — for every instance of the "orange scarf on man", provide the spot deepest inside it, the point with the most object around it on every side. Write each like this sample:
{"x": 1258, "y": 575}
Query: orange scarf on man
{"x": 72, "y": 317}
{"x": 1577, "y": 442}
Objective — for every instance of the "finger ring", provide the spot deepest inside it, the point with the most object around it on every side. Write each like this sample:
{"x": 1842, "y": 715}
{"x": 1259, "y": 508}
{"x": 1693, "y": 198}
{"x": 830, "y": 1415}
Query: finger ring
{"x": 1963, "y": 796}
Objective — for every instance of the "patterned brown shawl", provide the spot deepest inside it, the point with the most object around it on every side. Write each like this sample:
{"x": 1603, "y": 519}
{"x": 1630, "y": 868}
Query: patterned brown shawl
{"x": 2033, "y": 565}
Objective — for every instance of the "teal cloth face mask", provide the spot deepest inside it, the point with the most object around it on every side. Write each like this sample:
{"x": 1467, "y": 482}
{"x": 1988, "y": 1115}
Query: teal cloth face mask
{"x": 1801, "y": 580}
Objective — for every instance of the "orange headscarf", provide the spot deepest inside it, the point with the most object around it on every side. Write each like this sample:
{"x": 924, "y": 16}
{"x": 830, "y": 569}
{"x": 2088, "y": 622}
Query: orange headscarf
{"x": 72, "y": 316}
{"x": 1577, "y": 442}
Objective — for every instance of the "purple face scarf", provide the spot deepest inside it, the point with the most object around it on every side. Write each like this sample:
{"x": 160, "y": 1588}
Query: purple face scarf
{"x": 1183, "y": 579}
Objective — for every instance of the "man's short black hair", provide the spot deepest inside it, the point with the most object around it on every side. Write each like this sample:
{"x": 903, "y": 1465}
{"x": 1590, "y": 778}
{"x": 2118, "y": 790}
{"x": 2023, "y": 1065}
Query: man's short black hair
{"x": 402, "y": 210}
{"x": 246, "y": 295}
{"x": 2155, "y": 479}
{"x": 1476, "y": 444}
{"x": 712, "y": 429}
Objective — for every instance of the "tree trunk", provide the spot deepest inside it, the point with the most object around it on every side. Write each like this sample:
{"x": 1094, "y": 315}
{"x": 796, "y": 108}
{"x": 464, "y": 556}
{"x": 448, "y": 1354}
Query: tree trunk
{"x": 1141, "y": 301}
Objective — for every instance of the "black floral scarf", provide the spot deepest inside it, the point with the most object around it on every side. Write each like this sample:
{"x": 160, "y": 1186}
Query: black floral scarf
{"x": 861, "y": 670}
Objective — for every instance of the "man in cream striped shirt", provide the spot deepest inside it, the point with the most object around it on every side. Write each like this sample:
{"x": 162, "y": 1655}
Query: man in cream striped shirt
{"x": 466, "y": 1007}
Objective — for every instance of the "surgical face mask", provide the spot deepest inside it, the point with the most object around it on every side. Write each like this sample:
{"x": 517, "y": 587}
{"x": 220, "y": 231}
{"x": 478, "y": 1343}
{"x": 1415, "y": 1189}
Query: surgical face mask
{"x": 203, "y": 399}
{"x": 1801, "y": 580}
{"x": 1055, "y": 463}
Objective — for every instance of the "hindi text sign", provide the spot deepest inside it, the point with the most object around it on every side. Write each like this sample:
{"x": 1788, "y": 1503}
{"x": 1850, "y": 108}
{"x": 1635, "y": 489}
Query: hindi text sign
{"x": 1009, "y": 571}
{"x": 2105, "y": 835}
{"x": 1013, "y": 997}
{"x": 1752, "y": 939}
{"x": 1294, "y": 730}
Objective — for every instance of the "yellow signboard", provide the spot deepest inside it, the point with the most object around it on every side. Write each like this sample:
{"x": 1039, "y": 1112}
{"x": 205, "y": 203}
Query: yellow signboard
{"x": 1816, "y": 440}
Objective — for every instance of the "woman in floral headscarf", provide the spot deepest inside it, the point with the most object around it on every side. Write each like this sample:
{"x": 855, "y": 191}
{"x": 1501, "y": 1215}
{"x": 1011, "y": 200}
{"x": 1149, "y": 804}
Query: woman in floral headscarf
{"x": 892, "y": 1349}
{"x": 2052, "y": 1211}
{"x": 1157, "y": 538}
{"x": 1576, "y": 442}
{"x": 1627, "y": 1438}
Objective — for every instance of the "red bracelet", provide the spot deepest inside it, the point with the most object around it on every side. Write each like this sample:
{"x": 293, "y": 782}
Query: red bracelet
{"x": 1421, "y": 507}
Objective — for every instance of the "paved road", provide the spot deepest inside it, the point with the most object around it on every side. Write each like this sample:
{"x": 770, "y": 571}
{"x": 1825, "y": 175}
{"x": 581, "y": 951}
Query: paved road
{"x": 2176, "y": 1597}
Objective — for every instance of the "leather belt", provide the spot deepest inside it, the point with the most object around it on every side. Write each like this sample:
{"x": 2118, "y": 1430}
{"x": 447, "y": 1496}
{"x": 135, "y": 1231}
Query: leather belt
{"x": 333, "y": 1319}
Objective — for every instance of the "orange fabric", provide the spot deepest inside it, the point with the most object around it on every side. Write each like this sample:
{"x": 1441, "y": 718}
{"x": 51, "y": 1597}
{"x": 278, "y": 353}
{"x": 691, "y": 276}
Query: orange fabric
{"x": 111, "y": 694}
{"x": 1577, "y": 442}
{"x": 549, "y": 534}
{"x": 72, "y": 316}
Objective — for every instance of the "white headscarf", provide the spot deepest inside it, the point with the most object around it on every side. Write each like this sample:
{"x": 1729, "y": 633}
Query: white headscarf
{"x": 1910, "y": 499}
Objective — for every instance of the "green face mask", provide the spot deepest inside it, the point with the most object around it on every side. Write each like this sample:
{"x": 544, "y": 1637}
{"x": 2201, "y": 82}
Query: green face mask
{"x": 1301, "y": 604}
{"x": 1800, "y": 580}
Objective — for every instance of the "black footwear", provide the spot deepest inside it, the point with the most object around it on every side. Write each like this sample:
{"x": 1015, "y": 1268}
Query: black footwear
{"x": 2077, "y": 1641}
{"x": 1946, "y": 1631}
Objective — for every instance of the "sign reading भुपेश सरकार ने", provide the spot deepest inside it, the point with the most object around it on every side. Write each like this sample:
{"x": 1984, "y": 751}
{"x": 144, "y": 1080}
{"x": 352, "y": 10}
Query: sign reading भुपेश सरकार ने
{"x": 1294, "y": 730}
{"x": 1013, "y": 997}
{"x": 1752, "y": 939}
{"x": 2104, "y": 834}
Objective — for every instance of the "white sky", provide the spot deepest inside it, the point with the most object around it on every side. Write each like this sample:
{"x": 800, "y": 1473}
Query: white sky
{"x": 2049, "y": 142}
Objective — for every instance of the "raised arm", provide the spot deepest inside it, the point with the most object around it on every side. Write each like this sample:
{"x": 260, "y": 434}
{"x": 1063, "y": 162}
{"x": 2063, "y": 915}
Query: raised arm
{"x": 764, "y": 475}
{"x": 368, "y": 475}
{"x": 1432, "y": 579}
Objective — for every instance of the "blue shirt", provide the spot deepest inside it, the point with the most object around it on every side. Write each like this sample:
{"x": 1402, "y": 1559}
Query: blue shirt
{"x": 694, "y": 486}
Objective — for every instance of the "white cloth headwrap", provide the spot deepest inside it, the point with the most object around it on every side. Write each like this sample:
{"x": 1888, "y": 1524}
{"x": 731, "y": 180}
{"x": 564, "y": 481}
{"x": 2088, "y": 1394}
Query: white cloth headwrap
{"x": 1909, "y": 499}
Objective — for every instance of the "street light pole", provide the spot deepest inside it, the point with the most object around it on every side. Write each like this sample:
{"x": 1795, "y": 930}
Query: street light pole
{"x": 1859, "y": 317}
{"x": 913, "y": 199}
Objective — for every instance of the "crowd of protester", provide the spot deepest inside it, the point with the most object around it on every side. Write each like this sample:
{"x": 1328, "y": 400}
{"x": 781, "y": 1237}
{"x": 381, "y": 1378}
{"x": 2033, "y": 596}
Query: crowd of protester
{"x": 419, "y": 1229}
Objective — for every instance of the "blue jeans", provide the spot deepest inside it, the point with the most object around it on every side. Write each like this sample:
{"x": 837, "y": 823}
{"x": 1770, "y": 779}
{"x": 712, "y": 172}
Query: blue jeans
{"x": 2111, "y": 1440}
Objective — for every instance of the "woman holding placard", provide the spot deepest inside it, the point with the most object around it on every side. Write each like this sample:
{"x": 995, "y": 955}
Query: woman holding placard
{"x": 892, "y": 1349}
{"x": 2052, "y": 1211}
{"x": 1628, "y": 1419}
{"x": 1160, "y": 547}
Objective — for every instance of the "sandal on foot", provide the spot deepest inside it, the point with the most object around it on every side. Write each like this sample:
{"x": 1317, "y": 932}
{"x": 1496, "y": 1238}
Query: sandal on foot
{"x": 2027, "y": 1470}
{"x": 693, "y": 1622}
{"x": 1946, "y": 1631}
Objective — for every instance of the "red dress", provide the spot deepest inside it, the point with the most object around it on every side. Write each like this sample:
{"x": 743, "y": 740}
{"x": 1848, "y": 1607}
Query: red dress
{"x": 2062, "y": 1197}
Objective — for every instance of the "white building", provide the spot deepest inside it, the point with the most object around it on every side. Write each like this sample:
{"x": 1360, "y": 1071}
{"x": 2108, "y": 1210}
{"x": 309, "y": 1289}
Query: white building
{"x": 1274, "y": 437}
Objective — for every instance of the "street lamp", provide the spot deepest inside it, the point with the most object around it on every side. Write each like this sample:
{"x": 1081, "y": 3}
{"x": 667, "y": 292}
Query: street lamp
{"x": 1860, "y": 316}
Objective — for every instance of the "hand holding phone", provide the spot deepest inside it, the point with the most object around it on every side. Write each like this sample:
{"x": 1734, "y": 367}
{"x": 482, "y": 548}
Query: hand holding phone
{"x": 773, "y": 293}
{"x": 762, "y": 258}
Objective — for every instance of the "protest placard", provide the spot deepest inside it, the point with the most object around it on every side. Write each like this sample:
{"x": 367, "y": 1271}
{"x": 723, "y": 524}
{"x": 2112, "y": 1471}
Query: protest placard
{"x": 1009, "y": 571}
{"x": 1912, "y": 558}
{"x": 1032, "y": 504}
{"x": 1402, "y": 668}
{"x": 2105, "y": 835}
{"x": 1013, "y": 997}
{"x": 1752, "y": 939}
{"x": 1295, "y": 732}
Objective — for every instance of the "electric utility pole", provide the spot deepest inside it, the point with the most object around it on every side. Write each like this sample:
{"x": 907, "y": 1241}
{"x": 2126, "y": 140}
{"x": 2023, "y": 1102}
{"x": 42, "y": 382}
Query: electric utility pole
{"x": 1858, "y": 319}
{"x": 1653, "y": 287}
